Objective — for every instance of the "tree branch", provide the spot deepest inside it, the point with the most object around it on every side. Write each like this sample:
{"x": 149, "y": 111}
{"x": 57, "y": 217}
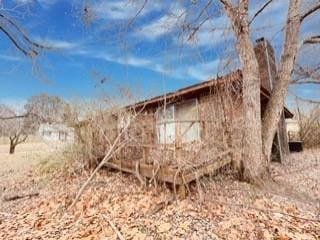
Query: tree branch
{"x": 12, "y": 39}
{"x": 24, "y": 36}
{"x": 138, "y": 13}
{"x": 28, "y": 114}
{"x": 203, "y": 10}
{"x": 13, "y": 117}
{"x": 308, "y": 100}
{"x": 305, "y": 82}
{"x": 22, "y": 140}
{"x": 306, "y": 75}
{"x": 311, "y": 11}
{"x": 259, "y": 11}
{"x": 312, "y": 40}
{"x": 227, "y": 5}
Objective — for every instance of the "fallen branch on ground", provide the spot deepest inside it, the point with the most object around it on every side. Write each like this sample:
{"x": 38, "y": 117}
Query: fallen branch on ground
{"x": 16, "y": 197}
{"x": 114, "y": 228}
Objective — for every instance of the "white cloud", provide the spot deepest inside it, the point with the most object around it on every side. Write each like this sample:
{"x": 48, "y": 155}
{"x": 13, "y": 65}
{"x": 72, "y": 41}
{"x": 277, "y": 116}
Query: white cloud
{"x": 41, "y": 2}
{"x": 123, "y": 9}
{"x": 142, "y": 63}
{"x": 24, "y": 1}
{"x": 203, "y": 71}
{"x": 57, "y": 44}
{"x": 9, "y": 57}
{"x": 129, "y": 60}
{"x": 162, "y": 26}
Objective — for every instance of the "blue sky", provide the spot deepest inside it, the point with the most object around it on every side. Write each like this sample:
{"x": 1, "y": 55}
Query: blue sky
{"x": 150, "y": 56}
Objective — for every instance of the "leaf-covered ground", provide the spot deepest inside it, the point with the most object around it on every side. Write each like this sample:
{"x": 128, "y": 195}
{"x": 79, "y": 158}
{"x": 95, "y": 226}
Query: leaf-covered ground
{"x": 218, "y": 208}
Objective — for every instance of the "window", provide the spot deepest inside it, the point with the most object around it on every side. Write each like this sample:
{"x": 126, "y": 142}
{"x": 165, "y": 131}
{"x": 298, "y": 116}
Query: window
{"x": 46, "y": 133}
{"x": 178, "y": 122}
{"x": 187, "y": 125}
{"x": 165, "y": 124}
{"x": 63, "y": 136}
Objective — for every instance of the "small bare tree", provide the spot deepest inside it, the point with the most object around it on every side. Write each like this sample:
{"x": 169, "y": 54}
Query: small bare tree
{"x": 16, "y": 128}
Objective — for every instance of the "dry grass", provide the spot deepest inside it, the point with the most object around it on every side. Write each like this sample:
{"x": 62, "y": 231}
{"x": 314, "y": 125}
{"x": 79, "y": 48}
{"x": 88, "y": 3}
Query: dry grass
{"x": 27, "y": 157}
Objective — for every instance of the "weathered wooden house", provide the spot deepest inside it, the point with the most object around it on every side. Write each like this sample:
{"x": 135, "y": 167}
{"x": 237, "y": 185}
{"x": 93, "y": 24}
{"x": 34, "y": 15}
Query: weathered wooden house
{"x": 180, "y": 136}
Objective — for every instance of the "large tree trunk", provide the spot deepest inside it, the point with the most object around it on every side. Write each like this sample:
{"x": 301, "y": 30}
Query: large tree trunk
{"x": 253, "y": 163}
{"x": 275, "y": 105}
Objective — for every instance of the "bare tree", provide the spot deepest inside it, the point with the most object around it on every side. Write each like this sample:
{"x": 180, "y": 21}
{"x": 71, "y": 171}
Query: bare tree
{"x": 44, "y": 108}
{"x": 38, "y": 109}
{"x": 14, "y": 127}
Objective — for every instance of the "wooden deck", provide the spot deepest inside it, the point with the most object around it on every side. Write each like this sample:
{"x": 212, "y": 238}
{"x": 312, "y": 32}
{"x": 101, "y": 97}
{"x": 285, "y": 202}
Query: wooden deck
{"x": 167, "y": 173}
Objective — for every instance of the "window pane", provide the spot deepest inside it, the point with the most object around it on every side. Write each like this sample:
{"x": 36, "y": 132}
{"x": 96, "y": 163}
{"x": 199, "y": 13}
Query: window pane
{"x": 187, "y": 125}
{"x": 165, "y": 113}
{"x": 166, "y": 133}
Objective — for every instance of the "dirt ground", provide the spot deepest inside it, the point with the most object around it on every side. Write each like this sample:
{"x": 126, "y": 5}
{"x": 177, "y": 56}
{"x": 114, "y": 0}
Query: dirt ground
{"x": 216, "y": 208}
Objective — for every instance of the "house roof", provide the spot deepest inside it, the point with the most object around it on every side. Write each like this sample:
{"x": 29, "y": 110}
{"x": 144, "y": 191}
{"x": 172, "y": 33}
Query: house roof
{"x": 196, "y": 89}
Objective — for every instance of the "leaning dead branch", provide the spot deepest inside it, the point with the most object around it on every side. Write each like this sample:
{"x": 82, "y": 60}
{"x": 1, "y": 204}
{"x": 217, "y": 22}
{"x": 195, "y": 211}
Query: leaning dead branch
{"x": 116, "y": 145}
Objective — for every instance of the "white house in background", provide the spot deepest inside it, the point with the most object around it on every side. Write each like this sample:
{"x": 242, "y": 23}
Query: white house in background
{"x": 56, "y": 132}
{"x": 293, "y": 129}
{"x": 293, "y": 132}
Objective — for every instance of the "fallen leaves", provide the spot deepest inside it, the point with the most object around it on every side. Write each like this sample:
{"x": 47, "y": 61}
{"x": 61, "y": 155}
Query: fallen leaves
{"x": 230, "y": 210}
{"x": 164, "y": 227}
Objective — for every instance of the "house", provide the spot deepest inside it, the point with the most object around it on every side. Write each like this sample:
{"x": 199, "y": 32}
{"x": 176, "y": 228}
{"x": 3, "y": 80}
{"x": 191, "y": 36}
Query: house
{"x": 293, "y": 133}
{"x": 180, "y": 136}
{"x": 57, "y": 132}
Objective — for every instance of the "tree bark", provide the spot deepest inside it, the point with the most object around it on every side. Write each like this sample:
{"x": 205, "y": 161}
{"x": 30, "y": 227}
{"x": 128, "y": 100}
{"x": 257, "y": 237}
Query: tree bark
{"x": 275, "y": 105}
{"x": 253, "y": 163}
{"x": 15, "y": 140}
{"x": 12, "y": 147}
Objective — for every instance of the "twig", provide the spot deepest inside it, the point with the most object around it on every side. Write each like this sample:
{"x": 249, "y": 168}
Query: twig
{"x": 311, "y": 11}
{"x": 137, "y": 14}
{"x": 137, "y": 173}
{"x": 114, "y": 227}
{"x": 259, "y": 11}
